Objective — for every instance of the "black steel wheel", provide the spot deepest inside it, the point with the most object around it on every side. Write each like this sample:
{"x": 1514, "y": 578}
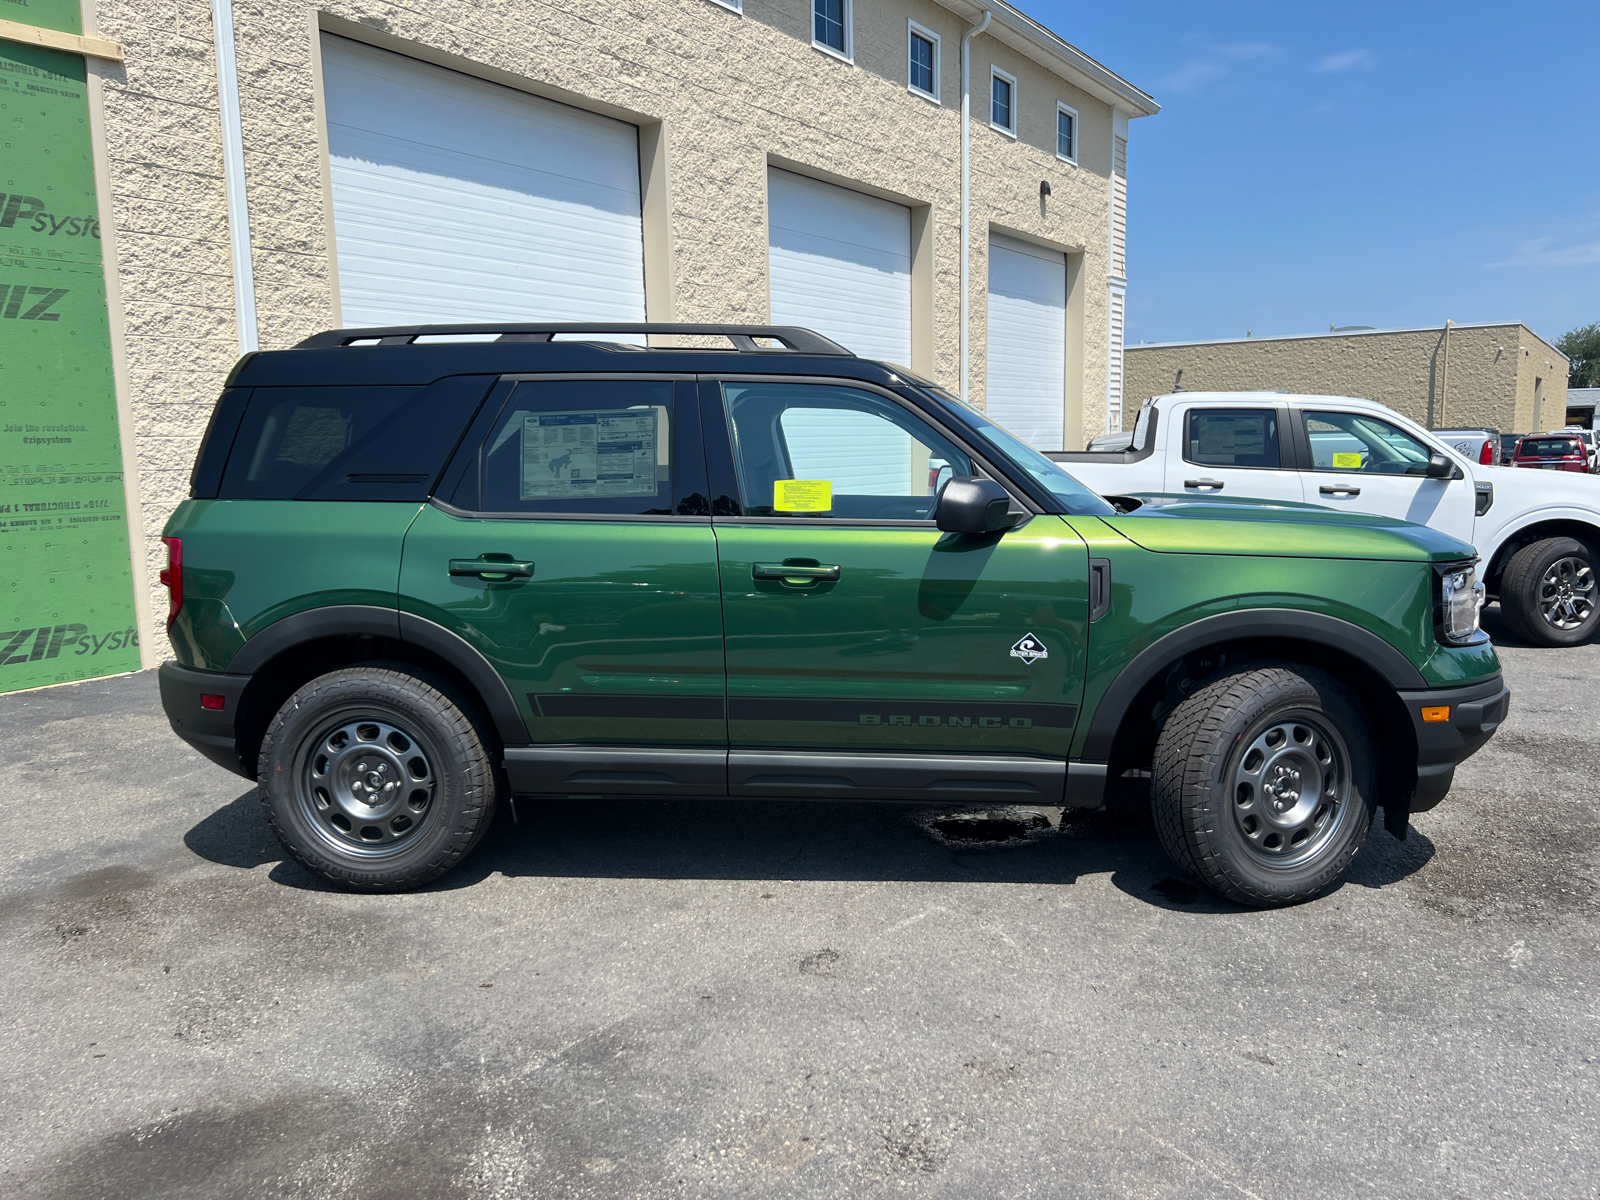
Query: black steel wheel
{"x": 377, "y": 779}
{"x": 1548, "y": 592}
{"x": 1264, "y": 784}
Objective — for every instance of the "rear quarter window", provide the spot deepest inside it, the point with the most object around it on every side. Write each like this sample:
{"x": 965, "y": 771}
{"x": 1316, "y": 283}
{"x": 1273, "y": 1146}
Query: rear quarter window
{"x": 348, "y": 443}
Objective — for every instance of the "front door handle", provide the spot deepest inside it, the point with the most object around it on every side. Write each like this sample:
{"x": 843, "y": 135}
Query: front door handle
{"x": 1339, "y": 489}
{"x": 491, "y": 568}
{"x": 795, "y": 574}
{"x": 1214, "y": 485}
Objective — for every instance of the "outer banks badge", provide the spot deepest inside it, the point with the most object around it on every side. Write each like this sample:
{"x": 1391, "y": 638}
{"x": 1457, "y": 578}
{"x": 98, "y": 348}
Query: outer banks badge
{"x": 1028, "y": 649}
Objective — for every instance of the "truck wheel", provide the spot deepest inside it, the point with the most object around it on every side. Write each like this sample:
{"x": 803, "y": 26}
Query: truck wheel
{"x": 1548, "y": 594}
{"x": 376, "y": 779}
{"x": 1263, "y": 784}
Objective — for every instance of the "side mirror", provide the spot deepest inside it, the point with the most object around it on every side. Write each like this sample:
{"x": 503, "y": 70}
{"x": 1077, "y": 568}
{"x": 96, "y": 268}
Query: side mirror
{"x": 1439, "y": 467}
{"x": 968, "y": 504}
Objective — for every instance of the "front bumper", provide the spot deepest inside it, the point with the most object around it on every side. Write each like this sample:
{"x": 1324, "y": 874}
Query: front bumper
{"x": 208, "y": 730}
{"x": 1474, "y": 713}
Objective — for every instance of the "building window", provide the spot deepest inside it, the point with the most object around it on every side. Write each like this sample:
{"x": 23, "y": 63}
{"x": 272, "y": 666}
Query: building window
{"x": 1003, "y": 101}
{"x": 830, "y": 26}
{"x": 923, "y": 67}
{"x": 1066, "y": 133}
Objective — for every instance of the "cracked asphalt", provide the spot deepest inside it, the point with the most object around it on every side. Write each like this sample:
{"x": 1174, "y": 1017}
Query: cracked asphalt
{"x": 724, "y": 1000}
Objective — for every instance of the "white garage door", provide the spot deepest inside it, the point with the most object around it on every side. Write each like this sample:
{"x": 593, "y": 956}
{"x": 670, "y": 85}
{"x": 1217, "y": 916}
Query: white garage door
{"x": 458, "y": 200}
{"x": 1028, "y": 341}
{"x": 840, "y": 263}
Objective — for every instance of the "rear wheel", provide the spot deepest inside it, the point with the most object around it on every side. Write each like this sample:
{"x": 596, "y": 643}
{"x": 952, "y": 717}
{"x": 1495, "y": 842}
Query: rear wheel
{"x": 376, "y": 779}
{"x": 1262, "y": 784}
{"x": 1548, "y": 592}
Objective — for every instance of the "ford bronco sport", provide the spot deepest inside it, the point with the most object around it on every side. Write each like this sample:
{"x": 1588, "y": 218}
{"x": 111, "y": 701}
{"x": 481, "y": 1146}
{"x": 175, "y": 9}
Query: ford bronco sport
{"x": 420, "y": 571}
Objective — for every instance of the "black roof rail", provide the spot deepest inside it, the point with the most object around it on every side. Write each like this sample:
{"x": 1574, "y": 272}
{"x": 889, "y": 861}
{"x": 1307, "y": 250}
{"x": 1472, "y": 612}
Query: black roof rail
{"x": 792, "y": 337}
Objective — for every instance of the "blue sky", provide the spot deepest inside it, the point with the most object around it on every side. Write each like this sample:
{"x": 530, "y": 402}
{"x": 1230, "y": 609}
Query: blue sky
{"x": 1388, "y": 164}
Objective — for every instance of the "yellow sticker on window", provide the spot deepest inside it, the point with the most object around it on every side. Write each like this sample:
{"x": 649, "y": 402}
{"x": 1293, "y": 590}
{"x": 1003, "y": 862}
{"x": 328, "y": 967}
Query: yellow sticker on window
{"x": 802, "y": 495}
{"x": 1347, "y": 462}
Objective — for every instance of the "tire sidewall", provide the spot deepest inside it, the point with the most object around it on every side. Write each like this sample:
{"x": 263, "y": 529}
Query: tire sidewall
{"x": 1540, "y": 557}
{"x": 464, "y": 791}
{"x": 1219, "y": 843}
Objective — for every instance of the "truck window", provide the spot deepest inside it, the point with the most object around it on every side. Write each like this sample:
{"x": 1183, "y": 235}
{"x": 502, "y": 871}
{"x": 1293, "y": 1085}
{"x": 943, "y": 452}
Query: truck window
{"x": 1232, "y": 437}
{"x": 1343, "y": 441}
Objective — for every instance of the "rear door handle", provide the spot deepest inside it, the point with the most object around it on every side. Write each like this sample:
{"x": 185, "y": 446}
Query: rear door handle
{"x": 485, "y": 568}
{"x": 794, "y": 573}
{"x": 1214, "y": 485}
{"x": 1339, "y": 489}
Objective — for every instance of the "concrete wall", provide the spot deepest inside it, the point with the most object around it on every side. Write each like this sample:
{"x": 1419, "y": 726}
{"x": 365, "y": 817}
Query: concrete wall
{"x": 1489, "y": 381}
{"x": 730, "y": 95}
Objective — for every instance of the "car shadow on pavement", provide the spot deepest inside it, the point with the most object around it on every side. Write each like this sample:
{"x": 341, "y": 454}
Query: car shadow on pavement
{"x": 817, "y": 841}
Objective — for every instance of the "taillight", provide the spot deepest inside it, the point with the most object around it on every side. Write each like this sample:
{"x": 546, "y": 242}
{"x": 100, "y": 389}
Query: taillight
{"x": 1486, "y": 455}
{"x": 172, "y": 578}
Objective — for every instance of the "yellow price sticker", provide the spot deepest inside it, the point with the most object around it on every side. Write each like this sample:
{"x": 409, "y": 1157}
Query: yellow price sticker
{"x": 802, "y": 495}
{"x": 1347, "y": 462}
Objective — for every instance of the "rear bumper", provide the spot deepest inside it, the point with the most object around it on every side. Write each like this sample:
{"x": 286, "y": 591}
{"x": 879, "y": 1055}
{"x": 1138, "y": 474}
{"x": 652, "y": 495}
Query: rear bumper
{"x": 1475, "y": 712}
{"x": 208, "y": 730}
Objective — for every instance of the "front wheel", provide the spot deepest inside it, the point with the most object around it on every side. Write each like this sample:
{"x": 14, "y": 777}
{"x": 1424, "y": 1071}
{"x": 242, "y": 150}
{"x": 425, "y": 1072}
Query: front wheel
{"x": 1263, "y": 784}
{"x": 376, "y": 779}
{"x": 1548, "y": 592}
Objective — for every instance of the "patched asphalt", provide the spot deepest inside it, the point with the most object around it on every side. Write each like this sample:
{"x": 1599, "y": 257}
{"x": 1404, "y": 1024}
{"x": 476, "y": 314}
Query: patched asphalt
{"x": 722, "y": 999}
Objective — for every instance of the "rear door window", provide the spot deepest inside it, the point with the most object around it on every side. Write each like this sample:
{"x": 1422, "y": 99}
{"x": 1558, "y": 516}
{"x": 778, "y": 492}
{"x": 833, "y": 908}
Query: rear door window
{"x": 1232, "y": 437}
{"x": 348, "y": 443}
{"x": 592, "y": 447}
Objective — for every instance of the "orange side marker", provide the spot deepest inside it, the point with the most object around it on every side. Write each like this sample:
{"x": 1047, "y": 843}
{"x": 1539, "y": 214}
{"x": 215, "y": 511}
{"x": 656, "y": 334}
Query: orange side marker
{"x": 1441, "y": 713}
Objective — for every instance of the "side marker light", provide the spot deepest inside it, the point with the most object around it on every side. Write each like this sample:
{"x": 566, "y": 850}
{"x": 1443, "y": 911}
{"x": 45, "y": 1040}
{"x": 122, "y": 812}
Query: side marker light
{"x": 1441, "y": 713}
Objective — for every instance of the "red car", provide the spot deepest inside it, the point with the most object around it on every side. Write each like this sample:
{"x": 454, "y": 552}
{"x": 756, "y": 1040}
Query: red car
{"x": 1552, "y": 452}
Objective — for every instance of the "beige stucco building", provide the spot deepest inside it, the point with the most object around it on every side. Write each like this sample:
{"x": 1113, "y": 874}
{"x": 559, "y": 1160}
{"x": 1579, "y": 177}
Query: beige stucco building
{"x": 699, "y": 154}
{"x": 1503, "y": 376}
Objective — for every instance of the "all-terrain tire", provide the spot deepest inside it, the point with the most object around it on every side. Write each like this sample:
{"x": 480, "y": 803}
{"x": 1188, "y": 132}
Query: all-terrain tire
{"x": 424, "y": 793}
{"x": 1203, "y": 764}
{"x": 1538, "y": 568}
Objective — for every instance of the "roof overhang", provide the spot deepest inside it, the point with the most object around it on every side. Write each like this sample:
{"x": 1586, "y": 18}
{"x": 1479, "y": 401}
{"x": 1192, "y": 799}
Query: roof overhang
{"x": 1026, "y": 36}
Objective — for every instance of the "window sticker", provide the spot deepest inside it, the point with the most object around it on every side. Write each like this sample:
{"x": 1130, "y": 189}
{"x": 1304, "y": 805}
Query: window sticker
{"x": 1224, "y": 438}
{"x": 566, "y": 455}
{"x": 802, "y": 495}
{"x": 1347, "y": 462}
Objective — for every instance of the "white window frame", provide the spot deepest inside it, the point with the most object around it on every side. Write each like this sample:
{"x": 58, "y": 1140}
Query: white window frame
{"x": 996, "y": 73}
{"x": 922, "y": 31}
{"x": 732, "y": 5}
{"x": 1077, "y": 132}
{"x": 847, "y": 16}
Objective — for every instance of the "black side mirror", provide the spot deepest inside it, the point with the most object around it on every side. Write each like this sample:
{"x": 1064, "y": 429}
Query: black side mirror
{"x": 968, "y": 504}
{"x": 1439, "y": 467}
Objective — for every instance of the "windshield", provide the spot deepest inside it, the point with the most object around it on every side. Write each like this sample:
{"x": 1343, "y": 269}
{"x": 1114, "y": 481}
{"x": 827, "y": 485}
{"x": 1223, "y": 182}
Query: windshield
{"x": 1078, "y": 500}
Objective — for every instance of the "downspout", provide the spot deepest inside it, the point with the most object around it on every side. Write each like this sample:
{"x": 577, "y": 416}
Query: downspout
{"x": 1444, "y": 386}
{"x": 966, "y": 187}
{"x": 244, "y": 286}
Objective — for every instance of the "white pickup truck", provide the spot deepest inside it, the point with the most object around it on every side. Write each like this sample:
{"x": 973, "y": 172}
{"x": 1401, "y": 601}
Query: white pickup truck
{"x": 1537, "y": 532}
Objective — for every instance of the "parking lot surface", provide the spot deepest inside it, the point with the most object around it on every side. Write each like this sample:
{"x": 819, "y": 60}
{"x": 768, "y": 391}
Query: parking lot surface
{"x": 725, "y": 999}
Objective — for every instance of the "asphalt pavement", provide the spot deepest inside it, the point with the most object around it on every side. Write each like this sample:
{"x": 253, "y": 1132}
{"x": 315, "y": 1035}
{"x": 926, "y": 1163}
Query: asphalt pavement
{"x": 720, "y": 999}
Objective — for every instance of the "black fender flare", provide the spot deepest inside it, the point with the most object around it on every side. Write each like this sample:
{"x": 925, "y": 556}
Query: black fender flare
{"x": 1292, "y": 623}
{"x": 337, "y": 620}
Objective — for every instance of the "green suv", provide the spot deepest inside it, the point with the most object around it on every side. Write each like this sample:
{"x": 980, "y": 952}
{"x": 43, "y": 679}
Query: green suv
{"x": 426, "y": 568}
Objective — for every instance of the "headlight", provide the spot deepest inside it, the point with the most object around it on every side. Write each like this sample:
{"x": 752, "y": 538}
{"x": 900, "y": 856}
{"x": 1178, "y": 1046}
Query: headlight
{"x": 1460, "y": 601}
